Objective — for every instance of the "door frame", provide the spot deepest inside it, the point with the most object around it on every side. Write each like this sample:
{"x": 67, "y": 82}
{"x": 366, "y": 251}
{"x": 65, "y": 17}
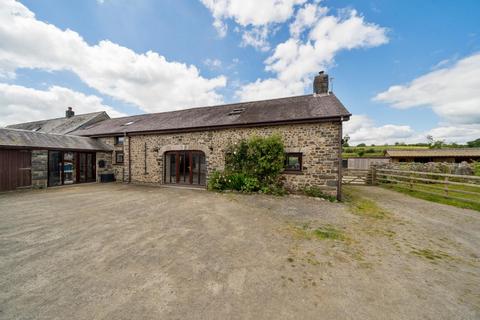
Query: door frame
{"x": 76, "y": 161}
{"x": 188, "y": 154}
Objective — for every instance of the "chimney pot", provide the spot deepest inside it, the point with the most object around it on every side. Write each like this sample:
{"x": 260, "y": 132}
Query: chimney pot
{"x": 69, "y": 113}
{"x": 320, "y": 83}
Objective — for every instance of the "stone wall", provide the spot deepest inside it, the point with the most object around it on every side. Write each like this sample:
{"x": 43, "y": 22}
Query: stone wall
{"x": 463, "y": 168}
{"x": 111, "y": 166}
{"x": 319, "y": 144}
{"x": 39, "y": 169}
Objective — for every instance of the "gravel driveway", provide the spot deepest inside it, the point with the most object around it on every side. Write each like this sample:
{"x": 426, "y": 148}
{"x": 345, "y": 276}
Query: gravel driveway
{"x": 134, "y": 252}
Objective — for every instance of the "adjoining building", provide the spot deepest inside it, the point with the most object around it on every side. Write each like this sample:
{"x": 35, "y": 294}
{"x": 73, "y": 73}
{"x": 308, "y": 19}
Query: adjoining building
{"x": 184, "y": 147}
{"x": 64, "y": 125}
{"x": 453, "y": 155}
{"x": 40, "y": 160}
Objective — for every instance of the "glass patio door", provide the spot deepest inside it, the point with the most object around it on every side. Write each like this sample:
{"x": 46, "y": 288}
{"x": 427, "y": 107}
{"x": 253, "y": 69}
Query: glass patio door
{"x": 185, "y": 167}
{"x": 54, "y": 168}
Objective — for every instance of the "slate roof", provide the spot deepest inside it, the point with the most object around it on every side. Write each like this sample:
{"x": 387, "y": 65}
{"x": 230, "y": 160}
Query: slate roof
{"x": 427, "y": 153}
{"x": 62, "y": 125}
{"x": 16, "y": 138}
{"x": 307, "y": 108}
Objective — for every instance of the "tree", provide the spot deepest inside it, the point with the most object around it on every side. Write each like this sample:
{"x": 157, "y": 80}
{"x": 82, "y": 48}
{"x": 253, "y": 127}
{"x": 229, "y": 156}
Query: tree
{"x": 474, "y": 143}
{"x": 361, "y": 145}
{"x": 345, "y": 141}
{"x": 435, "y": 144}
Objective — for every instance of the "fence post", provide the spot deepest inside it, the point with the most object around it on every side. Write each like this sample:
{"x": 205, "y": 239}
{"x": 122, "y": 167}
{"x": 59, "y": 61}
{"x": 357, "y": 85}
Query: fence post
{"x": 446, "y": 186}
{"x": 373, "y": 175}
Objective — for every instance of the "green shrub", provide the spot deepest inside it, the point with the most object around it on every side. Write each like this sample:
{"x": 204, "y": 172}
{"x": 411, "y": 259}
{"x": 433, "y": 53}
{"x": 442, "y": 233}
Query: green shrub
{"x": 217, "y": 181}
{"x": 275, "y": 189}
{"x": 252, "y": 165}
{"x": 476, "y": 168}
{"x": 316, "y": 192}
{"x": 258, "y": 157}
{"x": 250, "y": 184}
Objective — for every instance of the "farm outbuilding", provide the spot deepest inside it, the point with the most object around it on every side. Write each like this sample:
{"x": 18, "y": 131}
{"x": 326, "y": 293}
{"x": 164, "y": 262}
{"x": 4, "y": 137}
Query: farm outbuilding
{"x": 453, "y": 155}
{"x": 36, "y": 159}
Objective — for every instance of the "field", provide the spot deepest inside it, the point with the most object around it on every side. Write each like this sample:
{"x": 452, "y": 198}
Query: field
{"x": 459, "y": 191}
{"x": 374, "y": 151}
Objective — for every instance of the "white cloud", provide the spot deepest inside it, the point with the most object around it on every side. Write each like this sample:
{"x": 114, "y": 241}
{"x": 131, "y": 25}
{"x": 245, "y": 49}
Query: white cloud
{"x": 256, "y": 37}
{"x": 457, "y": 133}
{"x": 451, "y": 92}
{"x": 148, "y": 80}
{"x": 362, "y": 129}
{"x": 295, "y": 61}
{"x": 212, "y": 63}
{"x": 252, "y": 12}
{"x": 255, "y": 18}
{"x": 22, "y": 104}
{"x": 305, "y": 18}
{"x": 268, "y": 89}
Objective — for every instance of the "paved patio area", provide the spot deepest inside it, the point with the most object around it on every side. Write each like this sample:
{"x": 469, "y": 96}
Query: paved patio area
{"x": 134, "y": 252}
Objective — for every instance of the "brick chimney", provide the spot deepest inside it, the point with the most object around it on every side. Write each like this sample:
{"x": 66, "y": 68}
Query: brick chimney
{"x": 320, "y": 83}
{"x": 69, "y": 113}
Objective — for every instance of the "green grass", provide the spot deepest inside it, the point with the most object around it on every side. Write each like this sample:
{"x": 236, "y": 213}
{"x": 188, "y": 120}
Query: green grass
{"x": 362, "y": 206}
{"x": 375, "y": 151}
{"x": 431, "y": 254}
{"x": 440, "y": 198}
{"x": 318, "y": 193}
{"x": 326, "y": 232}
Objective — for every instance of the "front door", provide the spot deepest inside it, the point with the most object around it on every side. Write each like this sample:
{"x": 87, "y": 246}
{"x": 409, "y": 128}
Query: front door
{"x": 185, "y": 167}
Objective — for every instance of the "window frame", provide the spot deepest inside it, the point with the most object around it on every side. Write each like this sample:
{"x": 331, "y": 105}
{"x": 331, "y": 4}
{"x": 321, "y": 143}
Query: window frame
{"x": 117, "y": 140}
{"x": 300, "y": 161}
{"x": 117, "y": 153}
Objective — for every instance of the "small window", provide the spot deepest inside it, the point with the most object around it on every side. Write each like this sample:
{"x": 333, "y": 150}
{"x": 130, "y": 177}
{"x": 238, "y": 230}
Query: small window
{"x": 119, "y": 140}
{"x": 293, "y": 162}
{"x": 119, "y": 157}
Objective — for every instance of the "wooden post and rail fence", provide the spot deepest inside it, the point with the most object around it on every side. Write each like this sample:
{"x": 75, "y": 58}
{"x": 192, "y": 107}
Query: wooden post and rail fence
{"x": 465, "y": 188}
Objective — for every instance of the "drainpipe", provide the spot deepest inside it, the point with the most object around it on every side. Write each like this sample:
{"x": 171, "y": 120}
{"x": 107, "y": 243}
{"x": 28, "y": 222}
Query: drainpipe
{"x": 129, "y": 155}
{"x": 339, "y": 182}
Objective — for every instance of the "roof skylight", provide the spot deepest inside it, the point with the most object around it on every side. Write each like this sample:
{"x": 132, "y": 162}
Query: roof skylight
{"x": 236, "y": 111}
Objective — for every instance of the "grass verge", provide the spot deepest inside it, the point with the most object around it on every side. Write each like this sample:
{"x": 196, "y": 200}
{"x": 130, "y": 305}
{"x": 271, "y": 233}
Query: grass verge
{"x": 326, "y": 232}
{"x": 435, "y": 198}
{"x": 362, "y": 206}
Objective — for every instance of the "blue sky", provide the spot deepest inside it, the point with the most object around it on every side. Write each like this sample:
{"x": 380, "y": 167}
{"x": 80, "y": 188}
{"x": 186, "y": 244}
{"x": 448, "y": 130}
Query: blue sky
{"x": 389, "y": 59}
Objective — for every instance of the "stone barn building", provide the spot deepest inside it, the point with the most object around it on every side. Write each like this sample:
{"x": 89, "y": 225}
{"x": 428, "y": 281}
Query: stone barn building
{"x": 183, "y": 147}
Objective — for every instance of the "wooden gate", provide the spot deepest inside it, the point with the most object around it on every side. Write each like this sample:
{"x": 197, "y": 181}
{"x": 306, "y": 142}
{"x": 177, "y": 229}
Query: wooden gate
{"x": 15, "y": 169}
{"x": 355, "y": 176}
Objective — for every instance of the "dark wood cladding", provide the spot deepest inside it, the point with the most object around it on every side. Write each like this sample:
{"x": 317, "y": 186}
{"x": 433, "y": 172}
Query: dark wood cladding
{"x": 15, "y": 169}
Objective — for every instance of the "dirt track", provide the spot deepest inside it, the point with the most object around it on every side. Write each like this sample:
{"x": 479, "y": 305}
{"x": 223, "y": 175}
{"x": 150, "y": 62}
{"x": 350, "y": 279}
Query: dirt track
{"x": 133, "y": 252}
